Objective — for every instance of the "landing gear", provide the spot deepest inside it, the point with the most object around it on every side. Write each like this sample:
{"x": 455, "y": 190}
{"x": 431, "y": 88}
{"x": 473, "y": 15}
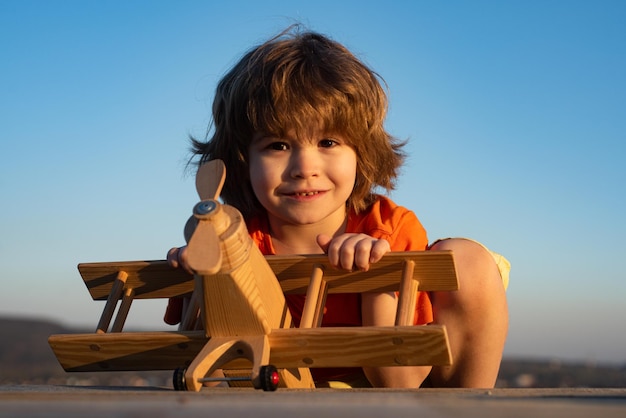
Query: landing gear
{"x": 268, "y": 379}
{"x": 179, "y": 379}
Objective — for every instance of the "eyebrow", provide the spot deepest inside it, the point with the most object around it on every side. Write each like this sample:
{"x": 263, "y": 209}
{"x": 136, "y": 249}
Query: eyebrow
{"x": 257, "y": 137}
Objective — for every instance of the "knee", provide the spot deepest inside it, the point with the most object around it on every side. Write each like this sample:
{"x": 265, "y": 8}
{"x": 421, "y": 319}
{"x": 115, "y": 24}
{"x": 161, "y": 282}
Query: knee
{"x": 475, "y": 265}
{"x": 481, "y": 297}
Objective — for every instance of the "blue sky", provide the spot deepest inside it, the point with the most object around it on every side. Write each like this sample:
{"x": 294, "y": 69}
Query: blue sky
{"x": 515, "y": 113}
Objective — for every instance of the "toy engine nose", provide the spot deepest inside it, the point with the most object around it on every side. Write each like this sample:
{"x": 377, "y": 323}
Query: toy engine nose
{"x": 205, "y": 207}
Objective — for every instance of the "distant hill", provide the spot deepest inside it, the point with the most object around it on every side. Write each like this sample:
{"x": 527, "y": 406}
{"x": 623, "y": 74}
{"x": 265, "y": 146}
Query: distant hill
{"x": 26, "y": 358}
{"x": 557, "y": 374}
{"x": 24, "y": 350}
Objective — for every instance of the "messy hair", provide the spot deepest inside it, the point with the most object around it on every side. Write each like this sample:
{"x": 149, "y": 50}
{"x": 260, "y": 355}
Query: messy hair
{"x": 294, "y": 81}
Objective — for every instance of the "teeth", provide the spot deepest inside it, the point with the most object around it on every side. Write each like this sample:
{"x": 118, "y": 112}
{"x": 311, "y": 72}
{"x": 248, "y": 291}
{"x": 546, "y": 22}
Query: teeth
{"x": 306, "y": 194}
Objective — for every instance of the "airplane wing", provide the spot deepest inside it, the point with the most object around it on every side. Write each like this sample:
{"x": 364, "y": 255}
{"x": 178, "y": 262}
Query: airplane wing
{"x": 290, "y": 348}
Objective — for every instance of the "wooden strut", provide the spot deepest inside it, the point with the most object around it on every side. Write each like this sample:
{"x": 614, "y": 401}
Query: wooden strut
{"x": 191, "y": 313}
{"x": 407, "y": 296}
{"x": 109, "y": 308}
{"x": 317, "y": 291}
{"x": 122, "y": 312}
{"x": 313, "y": 310}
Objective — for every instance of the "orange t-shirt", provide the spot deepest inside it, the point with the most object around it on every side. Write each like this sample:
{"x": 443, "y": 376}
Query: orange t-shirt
{"x": 383, "y": 219}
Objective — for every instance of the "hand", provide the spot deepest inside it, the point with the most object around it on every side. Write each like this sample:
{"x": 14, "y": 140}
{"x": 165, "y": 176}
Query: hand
{"x": 350, "y": 251}
{"x": 177, "y": 257}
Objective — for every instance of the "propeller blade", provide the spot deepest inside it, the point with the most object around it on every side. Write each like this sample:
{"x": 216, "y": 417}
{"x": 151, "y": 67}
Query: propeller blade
{"x": 203, "y": 250}
{"x": 210, "y": 179}
{"x": 190, "y": 227}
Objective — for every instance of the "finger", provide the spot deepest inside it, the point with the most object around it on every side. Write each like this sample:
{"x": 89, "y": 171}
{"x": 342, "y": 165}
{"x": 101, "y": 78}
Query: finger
{"x": 172, "y": 257}
{"x": 183, "y": 260}
{"x": 362, "y": 254}
{"x": 379, "y": 249}
{"x": 346, "y": 257}
{"x": 347, "y": 251}
{"x": 334, "y": 248}
{"x": 323, "y": 241}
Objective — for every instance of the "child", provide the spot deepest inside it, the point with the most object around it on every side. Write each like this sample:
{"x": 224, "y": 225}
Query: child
{"x": 298, "y": 122}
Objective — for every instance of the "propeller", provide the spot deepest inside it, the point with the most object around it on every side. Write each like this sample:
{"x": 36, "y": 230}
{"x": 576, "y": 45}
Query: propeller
{"x": 210, "y": 179}
{"x": 203, "y": 243}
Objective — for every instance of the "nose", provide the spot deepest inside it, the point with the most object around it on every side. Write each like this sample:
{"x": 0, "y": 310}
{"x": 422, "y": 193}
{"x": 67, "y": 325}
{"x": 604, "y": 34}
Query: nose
{"x": 304, "y": 163}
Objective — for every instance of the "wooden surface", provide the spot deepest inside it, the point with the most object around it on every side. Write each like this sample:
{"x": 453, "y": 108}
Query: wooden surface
{"x": 296, "y": 347}
{"x": 158, "y": 402}
{"x": 156, "y": 279}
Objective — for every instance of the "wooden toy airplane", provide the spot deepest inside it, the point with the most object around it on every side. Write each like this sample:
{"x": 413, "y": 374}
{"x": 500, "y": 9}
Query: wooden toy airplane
{"x": 236, "y": 319}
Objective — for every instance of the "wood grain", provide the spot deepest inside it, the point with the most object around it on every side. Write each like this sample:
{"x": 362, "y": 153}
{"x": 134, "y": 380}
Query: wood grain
{"x": 290, "y": 348}
{"x": 434, "y": 270}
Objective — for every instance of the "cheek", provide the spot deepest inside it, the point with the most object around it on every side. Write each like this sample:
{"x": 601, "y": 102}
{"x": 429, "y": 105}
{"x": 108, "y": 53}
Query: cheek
{"x": 256, "y": 176}
{"x": 261, "y": 178}
{"x": 348, "y": 169}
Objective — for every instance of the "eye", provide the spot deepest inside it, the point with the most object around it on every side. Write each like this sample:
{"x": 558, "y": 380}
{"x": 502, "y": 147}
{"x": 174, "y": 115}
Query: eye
{"x": 277, "y": 146}
{"x": 327, "y": 143}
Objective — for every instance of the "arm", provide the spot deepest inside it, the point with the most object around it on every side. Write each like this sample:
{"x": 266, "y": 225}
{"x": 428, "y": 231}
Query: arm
{"x": 393, "y": 229}
{"x": 176, "y": 257}
{"x": 350, "y": 251}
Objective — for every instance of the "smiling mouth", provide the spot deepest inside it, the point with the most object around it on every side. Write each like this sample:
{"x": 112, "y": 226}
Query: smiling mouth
{"x": 305, "y": 193}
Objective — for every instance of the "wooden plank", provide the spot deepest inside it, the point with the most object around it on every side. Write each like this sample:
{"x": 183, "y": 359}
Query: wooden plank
{"x": 127, "y": 350}
{"x": 290, "y": 348}
{"x": 149, "y": 279}
{"x": 434, "y": 270}
{"x": 360, "y": 347}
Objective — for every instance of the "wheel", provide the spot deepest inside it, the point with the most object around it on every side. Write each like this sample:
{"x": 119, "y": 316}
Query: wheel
{"x": 269, "y": 378}
{"x": 178, "y": 379}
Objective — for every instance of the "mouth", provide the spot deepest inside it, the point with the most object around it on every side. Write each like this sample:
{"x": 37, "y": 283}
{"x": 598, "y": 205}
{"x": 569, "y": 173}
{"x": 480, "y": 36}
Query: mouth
{"x": 303, "y": 194}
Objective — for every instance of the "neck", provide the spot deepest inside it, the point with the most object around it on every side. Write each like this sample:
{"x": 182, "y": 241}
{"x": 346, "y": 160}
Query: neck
{"x": 302, "y": 239}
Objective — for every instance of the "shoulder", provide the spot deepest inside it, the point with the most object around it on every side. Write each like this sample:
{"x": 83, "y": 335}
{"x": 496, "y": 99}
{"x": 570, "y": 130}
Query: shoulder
{"x": 259, "y": 232}
{"x": 383, "y": 213}
{"x": 386, "y": 219}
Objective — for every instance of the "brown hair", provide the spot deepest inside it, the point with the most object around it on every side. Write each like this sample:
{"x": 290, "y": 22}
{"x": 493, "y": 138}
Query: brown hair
{"x": 298, "y": 80}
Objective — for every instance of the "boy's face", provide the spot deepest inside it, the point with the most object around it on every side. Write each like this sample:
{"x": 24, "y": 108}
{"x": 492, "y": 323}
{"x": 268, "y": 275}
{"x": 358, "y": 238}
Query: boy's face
{"x": 303, "y": 181}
